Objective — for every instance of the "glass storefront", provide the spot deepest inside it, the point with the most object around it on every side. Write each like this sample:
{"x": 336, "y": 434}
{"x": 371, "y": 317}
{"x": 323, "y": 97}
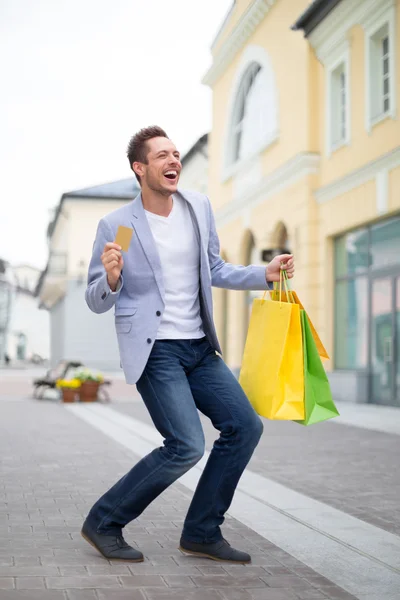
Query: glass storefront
{"x": 367, "y": 307}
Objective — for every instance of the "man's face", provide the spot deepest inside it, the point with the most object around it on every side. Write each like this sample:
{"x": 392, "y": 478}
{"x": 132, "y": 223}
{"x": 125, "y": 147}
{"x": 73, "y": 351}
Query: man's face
{"x": 162, "y": 172}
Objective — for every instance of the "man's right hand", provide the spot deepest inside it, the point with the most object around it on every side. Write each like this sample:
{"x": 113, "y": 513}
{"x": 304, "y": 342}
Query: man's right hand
{"x": 113, "y": 263}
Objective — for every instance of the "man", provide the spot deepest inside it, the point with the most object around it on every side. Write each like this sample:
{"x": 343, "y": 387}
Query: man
{"x": 161, "y": 290}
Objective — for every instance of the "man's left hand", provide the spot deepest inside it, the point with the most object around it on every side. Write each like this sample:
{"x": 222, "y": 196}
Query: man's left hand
{"x": 282, "y": 262}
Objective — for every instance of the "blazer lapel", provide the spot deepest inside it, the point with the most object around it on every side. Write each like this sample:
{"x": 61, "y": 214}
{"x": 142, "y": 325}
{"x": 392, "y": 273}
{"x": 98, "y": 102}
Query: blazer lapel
{"x": 145, "y": 237}
{"x": 195, "y": 221}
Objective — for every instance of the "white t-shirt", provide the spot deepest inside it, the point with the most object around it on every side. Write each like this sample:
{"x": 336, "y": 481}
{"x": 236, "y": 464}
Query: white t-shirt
{"x": 179, "y": 253}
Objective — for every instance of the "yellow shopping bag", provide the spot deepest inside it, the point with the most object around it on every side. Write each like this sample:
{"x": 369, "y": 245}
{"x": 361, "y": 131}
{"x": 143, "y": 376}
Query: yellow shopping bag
{"x": 275, "y": 295}
{"x": 272, "y": 373}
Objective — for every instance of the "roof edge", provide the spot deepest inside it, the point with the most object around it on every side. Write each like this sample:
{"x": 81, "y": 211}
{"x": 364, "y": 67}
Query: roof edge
{"x": 313, "y": 15}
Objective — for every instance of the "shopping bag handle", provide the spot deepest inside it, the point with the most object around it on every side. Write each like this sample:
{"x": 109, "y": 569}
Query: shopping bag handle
{"x": 288, "y": 291}
{"x": 283, "y": 278}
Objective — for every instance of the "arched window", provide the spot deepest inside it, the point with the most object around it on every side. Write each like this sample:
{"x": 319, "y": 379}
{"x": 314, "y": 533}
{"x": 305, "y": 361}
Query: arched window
{"x": 253, "y": 121}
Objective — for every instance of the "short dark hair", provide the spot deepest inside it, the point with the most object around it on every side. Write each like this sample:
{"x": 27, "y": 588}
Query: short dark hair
{"x": 137, "y": 150}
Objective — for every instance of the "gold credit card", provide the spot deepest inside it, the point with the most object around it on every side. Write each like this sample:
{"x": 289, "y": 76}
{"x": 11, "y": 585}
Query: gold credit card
{"x": 123, "y": 237}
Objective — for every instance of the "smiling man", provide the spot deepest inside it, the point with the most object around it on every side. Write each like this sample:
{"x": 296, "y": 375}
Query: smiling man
{"x": 161, "y": 291}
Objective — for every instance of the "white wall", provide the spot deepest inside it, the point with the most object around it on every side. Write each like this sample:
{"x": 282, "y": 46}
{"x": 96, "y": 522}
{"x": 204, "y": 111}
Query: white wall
{"x": 27, "y": 318}
{"x": 83, "y": 218}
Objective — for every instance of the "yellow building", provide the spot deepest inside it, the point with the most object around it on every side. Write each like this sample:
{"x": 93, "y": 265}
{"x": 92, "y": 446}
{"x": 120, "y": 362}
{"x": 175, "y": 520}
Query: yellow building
{"x": 305, "y": 156}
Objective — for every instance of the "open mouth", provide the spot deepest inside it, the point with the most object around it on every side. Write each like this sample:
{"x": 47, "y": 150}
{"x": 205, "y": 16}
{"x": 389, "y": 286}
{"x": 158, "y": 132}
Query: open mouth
{"x": 171, "y": 175}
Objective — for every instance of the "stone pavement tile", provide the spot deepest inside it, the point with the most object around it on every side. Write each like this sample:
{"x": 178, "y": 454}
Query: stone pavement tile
{"x": 81, "y": 595}
{"x": 304, "y": 571}
{"x": 13, "y": 529}
{"x": 30, "y": 583}
{"x": 26, "y": 561}
{"x": 248, "y": 570}
{"x": 283, "y": 571}
{"x": 287, "y": 581}
{"x": 130, "y": 594}
{"x": 115, "y": 568}
{"x": 6, "y": 583}
{"x": 69, "y": 561}
{"x": 204, "y": 570}
{"x": 6, "y": 562}
{"x": 145, "y": 569}
{"x": 142, "y": 581}
{"x": 73, "y": 571}
{"x": 333, "y": 592}
{"x": 311, "y": 595}
{"x": 193, "y": 594}
{"x": 64, "y": 583}
{"x": 217, "y": 581}
{"x": 264, "y": 560}
{"x": 32, "y": 595}
{"x": 195, "y": 561}
{"x": 150, "y": 547}
{"x": 165, "y": 560}
{"x": 273, "y": 594}
{"x": 235, "y": 594}
{"x": 178, "y": 581}
{"x": 28, "y": 571}
{"x": 318, "y": 581}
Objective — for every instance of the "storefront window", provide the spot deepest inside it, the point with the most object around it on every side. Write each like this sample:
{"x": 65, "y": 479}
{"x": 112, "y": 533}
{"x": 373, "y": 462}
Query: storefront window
{"x": 351, "y": 323}
{"x": 351, "y": 253}
{"x": 359, "y": 256}
{"x": 385, "y": 244}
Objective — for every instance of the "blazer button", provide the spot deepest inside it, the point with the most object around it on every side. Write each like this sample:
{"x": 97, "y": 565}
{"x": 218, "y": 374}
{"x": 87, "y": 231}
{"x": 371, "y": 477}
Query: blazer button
{"x": 158, "y": 313}
{"x": 148, "y": 340}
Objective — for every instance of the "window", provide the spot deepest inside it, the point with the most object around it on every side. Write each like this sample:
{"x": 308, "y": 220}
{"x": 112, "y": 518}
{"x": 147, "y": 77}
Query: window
{"x": 359, "y": 256}
{"x": 351, "y": 323}
{"x": 385, "y": 244}
{"x": 338, "y": 99}
{"x": 253, "y": 122}
{"x": 385, "y": 73}
{"x": 380, "y": 83}
{"x": 339, "y": 106}
{"x": 253, "y": 114}
{"x": 380, "y": 65}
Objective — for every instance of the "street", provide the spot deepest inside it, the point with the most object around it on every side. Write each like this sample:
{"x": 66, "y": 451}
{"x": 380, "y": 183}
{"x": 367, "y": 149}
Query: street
{"x": 318, "y": 507}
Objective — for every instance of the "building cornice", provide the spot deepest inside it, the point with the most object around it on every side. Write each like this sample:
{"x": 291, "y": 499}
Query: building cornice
{"x": 237, "y": 39}
{"x": 336, "y": 26}
{"x": 358, "y": 177}
{"x": 293, "y": 170}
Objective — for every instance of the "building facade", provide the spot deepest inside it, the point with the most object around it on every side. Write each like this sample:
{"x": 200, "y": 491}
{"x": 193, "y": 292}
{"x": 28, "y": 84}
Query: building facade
{"x": 6, "y": 293}
{"x": 24, "y": 328}
{"x": 305, "y": 156}
{"x": 29, "y": 327}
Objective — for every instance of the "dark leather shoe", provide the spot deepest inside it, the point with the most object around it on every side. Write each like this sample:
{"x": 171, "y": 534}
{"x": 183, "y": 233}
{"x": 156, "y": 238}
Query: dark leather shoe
{"x": 220, "y": 551}
{"x": 113, "y": 547}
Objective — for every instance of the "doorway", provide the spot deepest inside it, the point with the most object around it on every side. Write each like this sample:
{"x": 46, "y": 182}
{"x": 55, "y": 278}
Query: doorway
{"x": 385, "y": 340}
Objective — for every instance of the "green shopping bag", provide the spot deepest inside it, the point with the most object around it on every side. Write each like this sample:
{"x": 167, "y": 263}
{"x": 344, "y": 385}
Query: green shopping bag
{"x": 318, "y": 402}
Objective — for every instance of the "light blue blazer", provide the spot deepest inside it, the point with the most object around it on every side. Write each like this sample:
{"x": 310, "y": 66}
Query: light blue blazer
{"x": 140, "y": 299}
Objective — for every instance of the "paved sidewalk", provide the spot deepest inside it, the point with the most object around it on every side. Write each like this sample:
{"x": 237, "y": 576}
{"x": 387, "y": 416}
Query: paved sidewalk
{"x": 54, "y": 466}
{"x": 352, "y": 469}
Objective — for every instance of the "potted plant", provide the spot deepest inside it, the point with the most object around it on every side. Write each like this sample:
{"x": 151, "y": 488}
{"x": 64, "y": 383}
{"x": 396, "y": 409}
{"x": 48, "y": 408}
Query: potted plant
{"x": 69, "y": 388}
{"x": 89, "y": 384}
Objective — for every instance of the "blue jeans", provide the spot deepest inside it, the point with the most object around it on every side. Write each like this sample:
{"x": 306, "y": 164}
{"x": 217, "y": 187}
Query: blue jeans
{"x": 180, "y": 378}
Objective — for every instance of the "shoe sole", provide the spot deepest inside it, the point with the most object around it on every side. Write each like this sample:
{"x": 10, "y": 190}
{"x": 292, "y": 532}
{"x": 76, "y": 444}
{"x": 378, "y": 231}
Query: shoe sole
{"x": 204, "y": 555}
{"x": 135, "y": 560}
